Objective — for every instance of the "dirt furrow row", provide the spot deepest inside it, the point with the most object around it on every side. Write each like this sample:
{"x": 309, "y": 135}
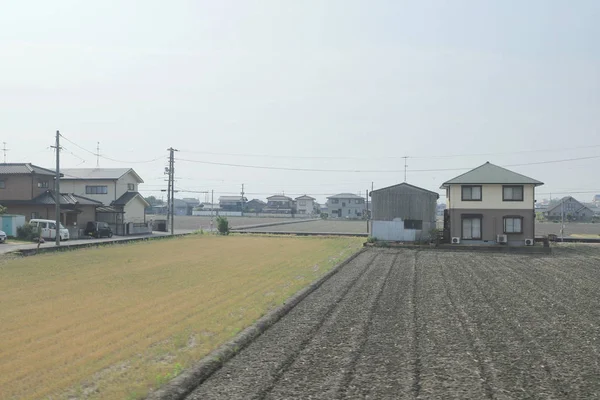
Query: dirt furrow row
{"x": 448, "y": 367}
{"x": 385, "y": 368}
{"x": 321, "y": 368}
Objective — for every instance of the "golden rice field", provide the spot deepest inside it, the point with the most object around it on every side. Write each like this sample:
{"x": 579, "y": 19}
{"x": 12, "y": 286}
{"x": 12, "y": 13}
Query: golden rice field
{"x": 116, "y": 322}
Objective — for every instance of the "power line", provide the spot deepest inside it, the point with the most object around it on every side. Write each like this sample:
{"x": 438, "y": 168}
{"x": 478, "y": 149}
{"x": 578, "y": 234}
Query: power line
{"x": 562, "y": 149}
{"x": 376, "y": 171}
{"x": 109, "y": 158}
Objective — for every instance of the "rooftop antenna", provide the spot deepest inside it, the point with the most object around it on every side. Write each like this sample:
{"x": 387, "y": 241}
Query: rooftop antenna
{"x": 4, "y": 149}
{"x": 405, "y": 166}
{"x": 97, "y": 154}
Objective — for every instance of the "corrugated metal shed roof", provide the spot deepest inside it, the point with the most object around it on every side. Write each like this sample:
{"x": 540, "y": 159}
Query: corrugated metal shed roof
{"x": 231, "y": 198}
{"x": 97, "y": 173}
{"x": 48, "y": 198}
{"x": 407, "y": 185}
{"x": 24, "y": 169}
{"x": 489, "y": 173}
{"x": 345, "y": 196}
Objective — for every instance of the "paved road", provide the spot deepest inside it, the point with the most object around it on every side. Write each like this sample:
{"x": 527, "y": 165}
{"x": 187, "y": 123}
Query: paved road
{"x": 402, "y": 324}
{"x": 10, "y": 247}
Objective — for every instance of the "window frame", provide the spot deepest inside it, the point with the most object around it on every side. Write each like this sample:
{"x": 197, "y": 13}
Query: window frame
{"x": 416, "y": 224}
{"x": 522, "y": 187}
{"x": 93, "y": 189}
{"x": 2, "y": 184}
{"x": 131, "y": 186}
{"x": 519, "y": 217}
{"x": 43, "y": 184}
{"x": 471, "y": 216}
{"x": 462, "y": 193}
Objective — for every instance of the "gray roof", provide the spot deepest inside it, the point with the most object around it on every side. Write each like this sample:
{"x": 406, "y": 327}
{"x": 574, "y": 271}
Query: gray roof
{"x": 279, "y": 197}
{"x": 97, "y": 173}
{"x": 410, "y": 186}
{"x": 489, "y": 173}
{"x": 126, "y": 198}
{"x": 305, "y": 197}
{"x": 24, "y": 169}
{"x": 48, "y": 198}
{"x": 345, "y": 196}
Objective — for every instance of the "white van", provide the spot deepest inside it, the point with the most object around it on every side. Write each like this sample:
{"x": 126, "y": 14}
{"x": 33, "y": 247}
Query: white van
{"x": 48, "y": 229}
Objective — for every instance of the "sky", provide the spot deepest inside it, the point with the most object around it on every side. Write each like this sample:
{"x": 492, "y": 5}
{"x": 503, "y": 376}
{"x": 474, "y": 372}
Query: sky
{"x": 324, "y": 96}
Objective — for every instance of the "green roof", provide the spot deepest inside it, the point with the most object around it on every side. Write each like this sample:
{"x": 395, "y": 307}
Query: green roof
{"x": 491, "y": 174}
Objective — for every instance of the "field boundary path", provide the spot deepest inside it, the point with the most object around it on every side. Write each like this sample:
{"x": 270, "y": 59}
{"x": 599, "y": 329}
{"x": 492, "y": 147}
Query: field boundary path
{"x": 412, "y": 324}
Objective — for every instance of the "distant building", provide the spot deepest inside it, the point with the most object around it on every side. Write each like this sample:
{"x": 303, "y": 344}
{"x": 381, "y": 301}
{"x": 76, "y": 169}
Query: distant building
{"x": 571, "y": 209}
{"x": 596, "y": 200}
{"x": 232, "y": 203}
{"x": 305, "y": 205}
{"x": 255, "y": 206}
{"x": 403, "y": 212}
{"x": 279, "y": 204}
{"x": 346, "y": 205}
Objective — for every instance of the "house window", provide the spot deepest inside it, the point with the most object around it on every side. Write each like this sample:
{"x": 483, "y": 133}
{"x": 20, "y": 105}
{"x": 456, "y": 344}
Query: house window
{"x": 96, "y": 190}
{"x": 513, "y": 224}
{"x": 43, "y": 184}
{"x": 35, "y": 215}
{"x": 302, "y": 202}
{"x": 471, "y": 193}
{"x": 335, "y": 201}
{"x": 471, "y": 227}
{"x": 512, "y": 193}
{"x": 2, "y": 185}
{"x": 131, "y": 186}
{"x": 413, "y": 224}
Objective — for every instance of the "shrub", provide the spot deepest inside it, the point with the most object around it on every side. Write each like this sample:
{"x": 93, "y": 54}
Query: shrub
{"x": 371, "y": 239}
{"x": 28, "y": 232}
{"x": 324, "y": 215}
{"x": 223, "y": 225}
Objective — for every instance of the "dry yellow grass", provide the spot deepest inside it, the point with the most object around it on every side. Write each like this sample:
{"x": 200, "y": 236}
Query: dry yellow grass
{"x": 112, "y": 323}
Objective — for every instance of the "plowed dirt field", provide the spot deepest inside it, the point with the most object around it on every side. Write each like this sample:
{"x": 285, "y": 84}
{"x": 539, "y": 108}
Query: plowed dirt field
{"x": 407, "y": 324}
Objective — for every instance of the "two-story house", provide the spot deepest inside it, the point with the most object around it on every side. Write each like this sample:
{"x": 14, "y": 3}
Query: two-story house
{"x": 115, "y": 188}
{"x": 27, "y": 189}
{"x": 280, "y": 204}
{"x": 305, "y": 205}
{"x": 346, "y": 205}
{"x": 491, "y": 204}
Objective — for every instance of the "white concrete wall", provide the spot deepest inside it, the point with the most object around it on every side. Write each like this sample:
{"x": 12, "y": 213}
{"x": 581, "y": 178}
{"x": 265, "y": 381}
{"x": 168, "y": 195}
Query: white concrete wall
{"x": 308, "y": 208}
{"x": 491, "y": 196}
{"x": 221, "y": 213}
{"x": 134, "y": 211}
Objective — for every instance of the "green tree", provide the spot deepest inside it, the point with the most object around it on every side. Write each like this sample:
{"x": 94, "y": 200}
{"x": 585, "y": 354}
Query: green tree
{"x": 3, "y": 209}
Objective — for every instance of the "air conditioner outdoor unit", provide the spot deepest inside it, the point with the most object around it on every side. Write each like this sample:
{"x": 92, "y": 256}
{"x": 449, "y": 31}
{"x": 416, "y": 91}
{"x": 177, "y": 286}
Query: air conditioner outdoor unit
{"x": 529, "y": 242}
{"x": 455, "y": 240}
{"x": 501, "y": 239}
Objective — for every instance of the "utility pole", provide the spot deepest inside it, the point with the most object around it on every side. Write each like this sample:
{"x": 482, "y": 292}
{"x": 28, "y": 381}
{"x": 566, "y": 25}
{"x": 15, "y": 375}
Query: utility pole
{"x": 168, "y": 172}
{"x": 562, "y": 222}
{"x": 4, "y": 149}
{"x": 97, "y": 154}
{"x": 405, "y": 166}
{"x": 242, "y": 199}
{"x": 367, "y": 213}
{"x": 212, "y": 206}
{"x": 172, "y": 186}
{"x": 57, "y": 188}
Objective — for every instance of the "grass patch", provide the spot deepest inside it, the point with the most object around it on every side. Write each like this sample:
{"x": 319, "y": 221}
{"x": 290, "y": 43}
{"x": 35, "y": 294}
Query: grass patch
{"x": 585, "y": 235}
{"x": 117, "y": 321}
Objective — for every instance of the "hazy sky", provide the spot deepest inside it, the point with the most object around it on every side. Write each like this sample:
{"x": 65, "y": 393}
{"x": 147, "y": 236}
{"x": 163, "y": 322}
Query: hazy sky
{"x": 342, "y": 85}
